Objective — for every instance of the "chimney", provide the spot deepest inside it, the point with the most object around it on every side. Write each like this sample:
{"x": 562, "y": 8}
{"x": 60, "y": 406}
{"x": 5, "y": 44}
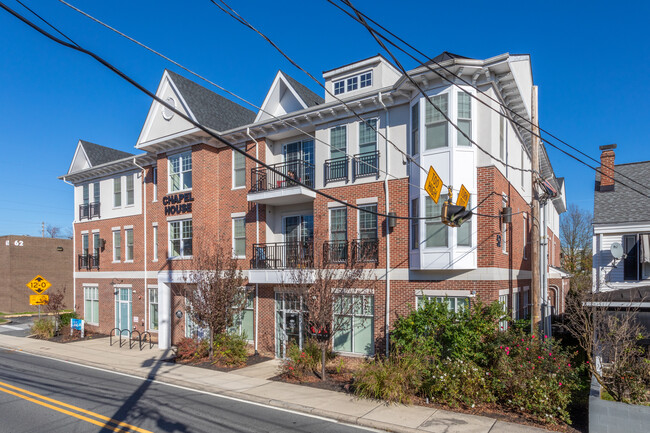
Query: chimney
{"x": 607, "y": 167}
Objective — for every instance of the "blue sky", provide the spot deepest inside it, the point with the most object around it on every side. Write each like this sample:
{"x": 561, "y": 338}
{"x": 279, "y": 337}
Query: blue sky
{"x": 589, "y": 61}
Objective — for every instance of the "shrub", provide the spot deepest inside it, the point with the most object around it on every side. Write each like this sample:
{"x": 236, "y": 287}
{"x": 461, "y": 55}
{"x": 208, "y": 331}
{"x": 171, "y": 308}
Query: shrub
{"x": 230, "y": 349}
{"x": 300, "y": 362}
{"x": 395, "y": 379}
{"x": 65, "y": 318}
{"x": 534, "y": 375}
{"x": 189, "y": 348}
{"x": 44, "y": 328}
{"x": 433, "y": 331}
{"x": 457, "y": 383}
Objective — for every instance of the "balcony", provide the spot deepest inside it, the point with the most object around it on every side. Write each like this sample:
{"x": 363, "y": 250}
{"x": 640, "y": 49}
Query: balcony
{"x": 88, "y": 211}
{"x": 268, "y": 187}
{"x": 88, "y": 262}
{"x": 365, "y": 250}
{"x": 283, "y": 255}
{"x": 336, "y": 169}
{"x": 365, "y": 165}
{"x": 335, "y": 252}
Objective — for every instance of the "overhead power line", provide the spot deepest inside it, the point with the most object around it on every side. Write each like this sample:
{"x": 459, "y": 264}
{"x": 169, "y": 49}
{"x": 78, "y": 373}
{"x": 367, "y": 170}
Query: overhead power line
{"x": 229, "y": 92}
{"x": 206, "y": 130}
{"x": 485, "y": 94}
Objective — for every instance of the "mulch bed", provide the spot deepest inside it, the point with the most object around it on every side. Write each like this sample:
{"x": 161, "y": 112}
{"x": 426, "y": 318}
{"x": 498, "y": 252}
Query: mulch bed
{"x": 65, "y": 337}
{"x": 219, "y": 365}
{"x": 340, "y": 377}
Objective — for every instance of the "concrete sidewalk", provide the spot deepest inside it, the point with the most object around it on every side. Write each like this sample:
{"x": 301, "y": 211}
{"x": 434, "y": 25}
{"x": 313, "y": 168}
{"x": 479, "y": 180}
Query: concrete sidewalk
{"x": 252, "y": 384}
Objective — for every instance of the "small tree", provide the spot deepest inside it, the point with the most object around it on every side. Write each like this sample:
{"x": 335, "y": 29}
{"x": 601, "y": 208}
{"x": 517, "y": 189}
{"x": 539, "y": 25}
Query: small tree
{"x": 218, "y": 296}
{"x": 610, "y": 340}
{"x": 56, "y": 304}
{"x": 53, "y": 231}
{"x": 327, "y": 291}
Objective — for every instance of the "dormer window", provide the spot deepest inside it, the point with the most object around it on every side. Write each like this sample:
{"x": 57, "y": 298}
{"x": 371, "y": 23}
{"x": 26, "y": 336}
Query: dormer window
{"x": 353, "y": 83}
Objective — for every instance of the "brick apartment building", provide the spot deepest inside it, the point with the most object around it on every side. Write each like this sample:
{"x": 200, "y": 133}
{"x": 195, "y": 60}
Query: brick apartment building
{"x": 137, "y": 215}
{"x": 24, "y": 257}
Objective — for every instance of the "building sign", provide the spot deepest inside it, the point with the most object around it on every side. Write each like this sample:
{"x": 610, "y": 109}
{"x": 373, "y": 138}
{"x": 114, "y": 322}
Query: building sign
{"x": 178, "y": 204}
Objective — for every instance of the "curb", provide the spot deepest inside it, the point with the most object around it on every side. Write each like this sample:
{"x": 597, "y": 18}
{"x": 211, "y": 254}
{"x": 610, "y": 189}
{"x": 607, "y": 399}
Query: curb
{"x": 13, "y": 316}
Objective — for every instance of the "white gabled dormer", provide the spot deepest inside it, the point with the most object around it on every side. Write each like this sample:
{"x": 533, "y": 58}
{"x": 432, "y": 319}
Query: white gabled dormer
{"x": 162, "y": 122}
{"x": 80, "y": 161}
{"x": 360, "y": 77}
{"x": 286, "y": 95}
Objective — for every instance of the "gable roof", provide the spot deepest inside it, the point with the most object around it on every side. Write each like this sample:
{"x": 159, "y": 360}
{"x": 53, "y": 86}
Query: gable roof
{"x": 308, "y": 97}
{"x": 210, "y": 109}
{"x": 623, "y": 205}
{"x": 98, "y": 154}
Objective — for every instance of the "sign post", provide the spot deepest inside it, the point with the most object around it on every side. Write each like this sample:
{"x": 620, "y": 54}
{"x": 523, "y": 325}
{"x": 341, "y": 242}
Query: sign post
{"x": 39, "y": 284}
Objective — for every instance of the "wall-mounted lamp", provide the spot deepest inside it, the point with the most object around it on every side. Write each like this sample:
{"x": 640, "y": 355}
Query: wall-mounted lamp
{"x": 102, "y": 243}
{"x": 59, "y": 248}
{"x": 392, "y": 221}
{"x": 179, "y": 314}
{"x": 506, "y": 215}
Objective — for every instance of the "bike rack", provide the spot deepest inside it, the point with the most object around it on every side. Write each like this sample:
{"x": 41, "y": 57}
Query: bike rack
{"x": 142, "y": 337}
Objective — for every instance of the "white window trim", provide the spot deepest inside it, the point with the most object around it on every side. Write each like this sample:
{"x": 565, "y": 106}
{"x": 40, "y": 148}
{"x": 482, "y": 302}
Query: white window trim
{"x": 95, "y": 287}
{"x": 126, "y": 247}
{"x": 181, "y": 155}
{"x": 169, "y": 240}
{"x": 232, "y": 170}
{"x": 365, "y": 201}
{"x": 154, "y": 181}
{"x": 119, "y": 233}
{"x": 155, "y": 234}
{"x": 121, "y": 193}
{"x": 149, "y": 288}
{"x": 126, "y": 190}
{"x": 235, "y": 256}
{"x": 356, "y": 75}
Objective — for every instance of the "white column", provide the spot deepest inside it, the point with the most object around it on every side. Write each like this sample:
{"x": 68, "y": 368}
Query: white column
{"x": 164, "y": 315}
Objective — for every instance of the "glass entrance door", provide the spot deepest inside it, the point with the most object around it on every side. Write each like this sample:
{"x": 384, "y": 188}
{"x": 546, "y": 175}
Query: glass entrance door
{"x": 123, "y": 312}
{"x": 290, "y": 323}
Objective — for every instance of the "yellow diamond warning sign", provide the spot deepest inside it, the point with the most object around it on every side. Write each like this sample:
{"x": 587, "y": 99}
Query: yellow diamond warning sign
{"x": 463, "y": 197}
{"x": 433, "y": 185}
{"x": 39, "y": 284}
{"x": 39, "y": 299}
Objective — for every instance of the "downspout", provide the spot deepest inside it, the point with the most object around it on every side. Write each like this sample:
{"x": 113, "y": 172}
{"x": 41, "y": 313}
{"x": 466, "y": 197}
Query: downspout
{"x": 257, "y": 240}
{"x": 144, "y": 256}
{"x": 74, "y": 254}
{"x": 386, "y": 196}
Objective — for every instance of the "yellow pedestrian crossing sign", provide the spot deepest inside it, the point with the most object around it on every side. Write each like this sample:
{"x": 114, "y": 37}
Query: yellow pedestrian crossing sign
{"x": 39, "y": 284}
{"x": 433, "y": 185}
{"x": 463, "y": 197}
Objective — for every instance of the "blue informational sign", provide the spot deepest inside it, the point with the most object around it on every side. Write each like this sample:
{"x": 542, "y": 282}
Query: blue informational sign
{"x": 76, "y": 324}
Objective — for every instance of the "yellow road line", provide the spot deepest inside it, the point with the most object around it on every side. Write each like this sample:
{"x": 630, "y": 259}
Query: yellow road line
{"x": 60, "y": 403}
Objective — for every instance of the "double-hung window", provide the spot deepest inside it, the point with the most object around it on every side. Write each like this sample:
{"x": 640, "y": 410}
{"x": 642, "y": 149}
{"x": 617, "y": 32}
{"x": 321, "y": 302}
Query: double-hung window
{"x": 338, "y": 235}
{"x": 244, "y": 321}
{"x": 180, "y": 238}
{"x": 84, "y": 245}
{"x": 128, "y": 234}
{"x": 153, "y": 308}
{"x": 503, "y": 323}
{"x": 117, "y": 191}
{"x": 464, "y": 118}
{"x": 368, "y": 136}
{"x": 155, "y": 243}
{"x": 91, "y": 305}
{"x": 96, "y": 245}
{"x": 502, "y": 138}
{"x": 525, "y": 230}
{"x": 238, "y": 170}
{"x": 435, "y": 230}
{"x": 415, "y": 129}
{"x": 154, "y": 181}
{"x": 130, "y": 195}
{"x": 85, "y": 208}
{"x": 368, "y": 221}
{"x": 96, "y": 192}
{"x": 437, "y": 134}
{"x": 504, "y": 231}
{"x": 117, "y": 246}
{"x": 180, "y": 172}
{"x": 239, "y": 237}
{"x": 338, "y": 142}
{"x": 464, "y": 232}
{"x": 415, "y": 224}
{"x": 365, "y": 80}
{"x": 86, "y": 193}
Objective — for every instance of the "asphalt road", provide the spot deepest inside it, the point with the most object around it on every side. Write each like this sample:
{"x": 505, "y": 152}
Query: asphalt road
{"x": 44, "y": 395}
{"x": 19, "y": 326}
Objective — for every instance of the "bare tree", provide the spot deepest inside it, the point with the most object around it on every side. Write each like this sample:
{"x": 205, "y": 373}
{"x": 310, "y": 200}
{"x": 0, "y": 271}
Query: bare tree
{"x": 56, "y": 303}
{"x": 610, "y": 336}
{"x": 331, "y": 291}
{"x": 53, "y": 231}
{"x": 217, "y": 295}
{"x": 576, "y": 239}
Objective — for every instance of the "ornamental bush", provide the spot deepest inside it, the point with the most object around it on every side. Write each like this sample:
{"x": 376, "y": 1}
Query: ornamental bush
{"x": 189, "y": 348}
{"x": 534, "y": 375}
{"x": 457, "y": 383}
{"x": 44, "y": 328}
{"x": 230, "y": 349}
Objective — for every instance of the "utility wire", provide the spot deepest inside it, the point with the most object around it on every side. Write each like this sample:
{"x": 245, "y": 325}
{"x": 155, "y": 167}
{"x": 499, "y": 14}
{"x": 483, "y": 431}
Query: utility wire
{"x": 285, "y": 122}
{"x": 206, "y": 130}
{"x": 485, "y": 94}
{"x": 233, "y": 14}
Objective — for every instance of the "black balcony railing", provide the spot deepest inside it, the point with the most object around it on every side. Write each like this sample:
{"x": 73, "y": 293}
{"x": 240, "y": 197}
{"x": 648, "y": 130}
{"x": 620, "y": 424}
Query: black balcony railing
{"x": 283, "y": 255}
{"x": 263, "y": 179}
{"x": 336, "y": 169}
{"x": 365, "y": 250}
{"x": 88, "y": 211}
{"x": 335, "y": 251}
{"x": 88, "y": 261}
{"x": 365, "y": 164}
